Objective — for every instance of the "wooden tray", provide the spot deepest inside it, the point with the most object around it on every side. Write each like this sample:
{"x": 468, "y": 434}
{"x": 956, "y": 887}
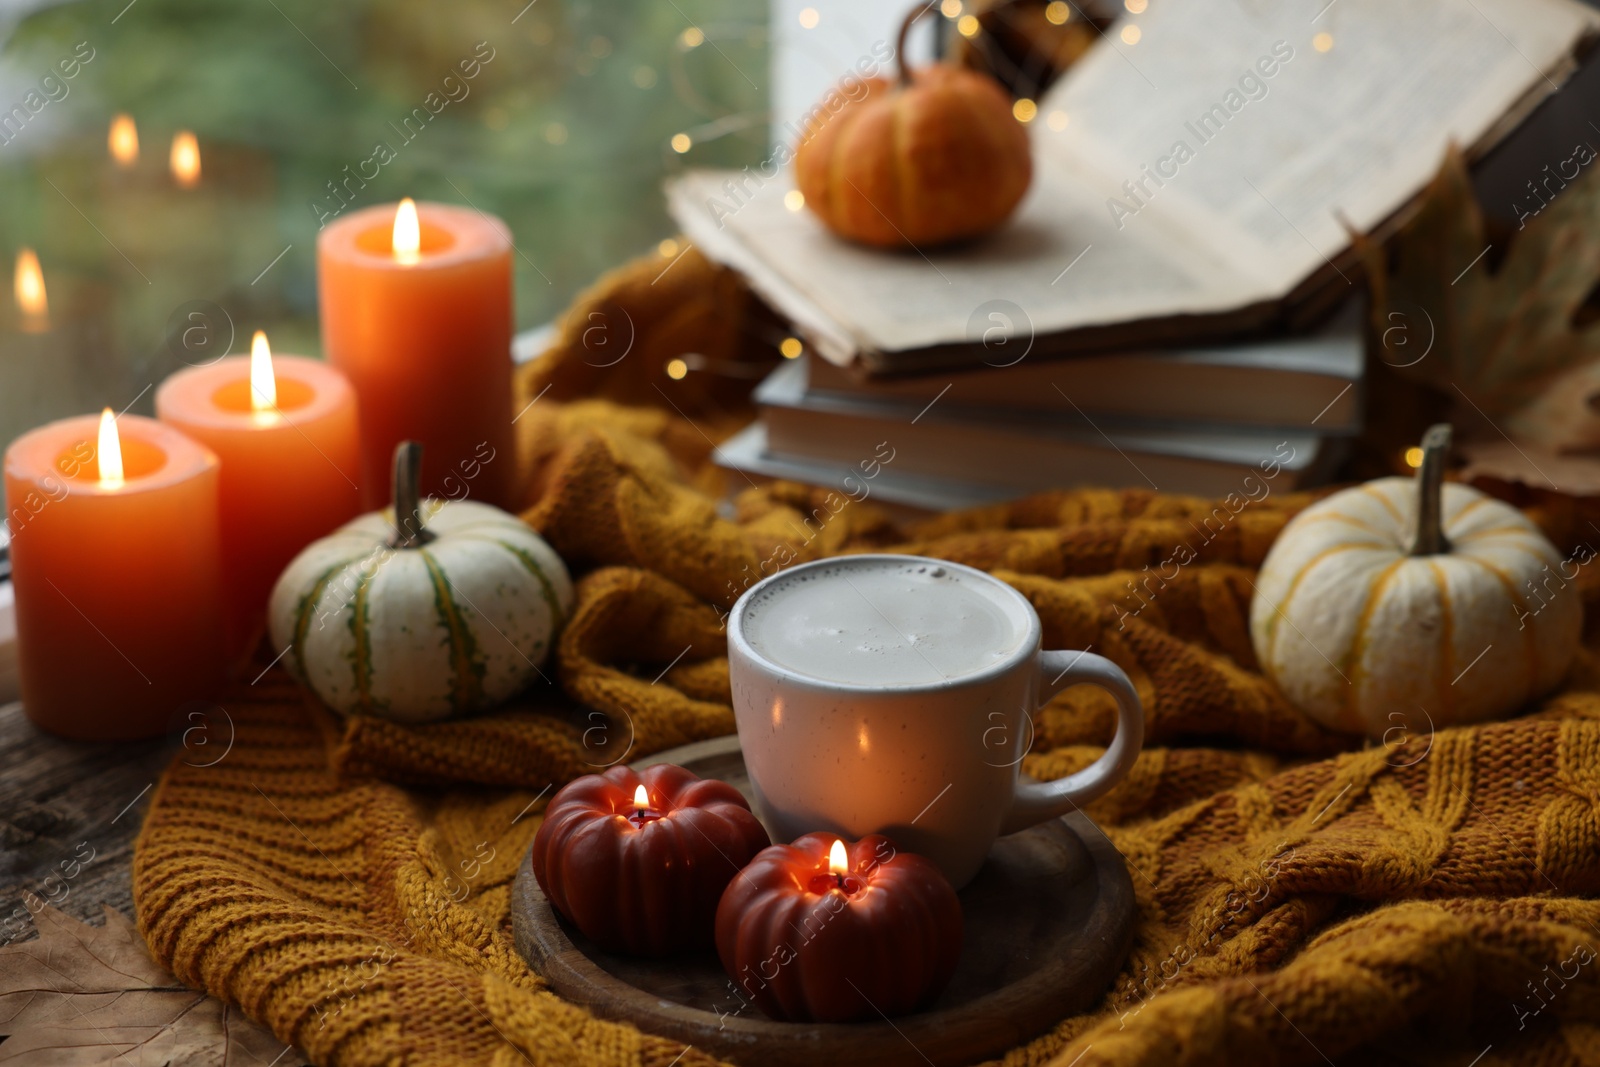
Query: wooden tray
{"x": 1049, "y": 920}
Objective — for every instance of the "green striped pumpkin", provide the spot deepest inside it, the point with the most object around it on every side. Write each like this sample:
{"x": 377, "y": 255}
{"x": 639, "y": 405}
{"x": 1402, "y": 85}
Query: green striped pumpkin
{"x": 426, "y": 631}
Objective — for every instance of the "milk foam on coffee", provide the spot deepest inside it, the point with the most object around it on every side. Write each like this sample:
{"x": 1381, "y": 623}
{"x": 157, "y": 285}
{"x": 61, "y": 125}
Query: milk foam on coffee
{"x": 884, "y": 623}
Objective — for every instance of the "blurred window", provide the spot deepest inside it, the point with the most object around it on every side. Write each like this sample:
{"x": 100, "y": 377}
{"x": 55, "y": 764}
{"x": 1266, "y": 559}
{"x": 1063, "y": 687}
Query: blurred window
{"x": 557, "y": 115}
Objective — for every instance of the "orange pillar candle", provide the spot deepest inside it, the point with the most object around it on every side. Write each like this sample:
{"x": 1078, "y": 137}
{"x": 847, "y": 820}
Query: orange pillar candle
{"x": 416, "y": 309}
{"x": 286, "y": 431}
{"x": 116, "y": 559}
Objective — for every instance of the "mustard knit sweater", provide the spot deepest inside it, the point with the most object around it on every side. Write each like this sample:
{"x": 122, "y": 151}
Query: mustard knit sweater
{"x": 1302, "y": 899}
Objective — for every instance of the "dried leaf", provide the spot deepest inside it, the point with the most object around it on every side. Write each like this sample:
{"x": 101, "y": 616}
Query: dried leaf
{"x": 82, "y": 994}
{"x": 1501, "y": 461}
{"x": 1504, "y": 345}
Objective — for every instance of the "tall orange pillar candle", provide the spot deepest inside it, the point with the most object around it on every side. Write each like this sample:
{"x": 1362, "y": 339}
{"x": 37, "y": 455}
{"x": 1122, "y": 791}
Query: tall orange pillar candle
{"x": 416, "y": 309}
{"x": 286, "y": 431}
{"x": 116, "y": 558}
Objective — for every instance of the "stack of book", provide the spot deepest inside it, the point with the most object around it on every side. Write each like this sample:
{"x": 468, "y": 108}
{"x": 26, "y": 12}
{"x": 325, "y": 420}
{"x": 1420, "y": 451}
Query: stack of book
{"x": 1199, "y": 422}
{"x": 1198, "y": 189}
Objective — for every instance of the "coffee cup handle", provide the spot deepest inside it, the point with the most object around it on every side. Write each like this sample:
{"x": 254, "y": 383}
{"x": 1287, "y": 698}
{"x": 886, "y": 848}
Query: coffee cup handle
{"x": 1034, "y": 802}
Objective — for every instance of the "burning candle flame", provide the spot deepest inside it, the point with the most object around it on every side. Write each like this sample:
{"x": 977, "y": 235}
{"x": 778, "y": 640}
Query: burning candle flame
{"x": 838, "y": 859}
{"x": 641, "y": 799}
{"x": 109, "y": 452}
{"x": 263, "y": 383}
{"x": 123, "y": 141}
{"x": 407, "y": 233}
{"x": 186, "y": 159}
{"x": 29, "y": 286}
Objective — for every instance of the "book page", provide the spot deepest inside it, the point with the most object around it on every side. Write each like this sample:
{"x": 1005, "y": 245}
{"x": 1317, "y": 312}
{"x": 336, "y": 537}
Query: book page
{"x": 1057, "y": 264}
{"x": 1256, "y": 126}
{"x": 1283, "y": 133}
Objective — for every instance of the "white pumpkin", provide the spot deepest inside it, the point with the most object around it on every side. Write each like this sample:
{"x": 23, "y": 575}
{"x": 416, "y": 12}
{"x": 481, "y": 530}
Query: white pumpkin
{"x": 452, "y": 610}
{"x": 1407, "y": 603}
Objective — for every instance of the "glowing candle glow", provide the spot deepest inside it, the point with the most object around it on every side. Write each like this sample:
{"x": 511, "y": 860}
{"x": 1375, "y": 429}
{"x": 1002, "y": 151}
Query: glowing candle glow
{"x": 415, "y": 301}
{"x": 838, "y": 876}
{"x": 407, "y": 235}
{"x": 286, "y": 430}
{"x": 110, "y": 452}
{"x": 123, "y": 141}
{"x": 28, "y": 284}
{"x": 185, "y": 159}
{"x": 643, "y": 814}
{"x": 263, "y": 384}
{"x": 115, "y": 557}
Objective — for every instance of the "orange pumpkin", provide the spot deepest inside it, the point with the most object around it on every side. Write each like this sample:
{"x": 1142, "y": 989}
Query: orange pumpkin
{"x": 933, "y": 157}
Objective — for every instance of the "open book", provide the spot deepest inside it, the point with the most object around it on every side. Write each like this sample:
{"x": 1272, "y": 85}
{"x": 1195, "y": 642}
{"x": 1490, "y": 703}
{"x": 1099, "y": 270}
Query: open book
{"x": 1199, "y": 182}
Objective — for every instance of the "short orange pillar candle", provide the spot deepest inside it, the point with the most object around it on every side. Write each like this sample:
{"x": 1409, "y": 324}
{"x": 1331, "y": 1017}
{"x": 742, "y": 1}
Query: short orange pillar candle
{"x": 416, "y": 308}
{"x": 287, "y": 432}
{"x": 116, "y": 559}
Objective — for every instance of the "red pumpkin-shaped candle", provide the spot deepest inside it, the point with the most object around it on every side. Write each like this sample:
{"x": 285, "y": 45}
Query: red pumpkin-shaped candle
{"x": 638, "y": 862}
{"x": 934, "y": 156}
{"x": 828, "y": 931}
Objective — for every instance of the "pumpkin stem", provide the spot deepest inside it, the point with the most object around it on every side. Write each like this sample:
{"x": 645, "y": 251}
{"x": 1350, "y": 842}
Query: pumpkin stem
{"x": 408, "y": 528}
{"x": 1429, "y": 539}
{"x": 917, "y": 12}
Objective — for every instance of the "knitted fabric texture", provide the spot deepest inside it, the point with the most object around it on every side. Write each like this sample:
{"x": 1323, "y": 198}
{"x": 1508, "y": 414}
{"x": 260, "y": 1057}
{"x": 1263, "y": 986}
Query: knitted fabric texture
{"x": 1302, "y": 899}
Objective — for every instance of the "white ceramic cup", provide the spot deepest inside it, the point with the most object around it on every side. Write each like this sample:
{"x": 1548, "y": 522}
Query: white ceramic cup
{"x": 934, "y": 766}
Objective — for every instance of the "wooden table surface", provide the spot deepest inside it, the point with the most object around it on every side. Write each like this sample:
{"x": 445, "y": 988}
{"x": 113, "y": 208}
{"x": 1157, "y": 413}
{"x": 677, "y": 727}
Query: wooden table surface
{"x": 67, "y": 806}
